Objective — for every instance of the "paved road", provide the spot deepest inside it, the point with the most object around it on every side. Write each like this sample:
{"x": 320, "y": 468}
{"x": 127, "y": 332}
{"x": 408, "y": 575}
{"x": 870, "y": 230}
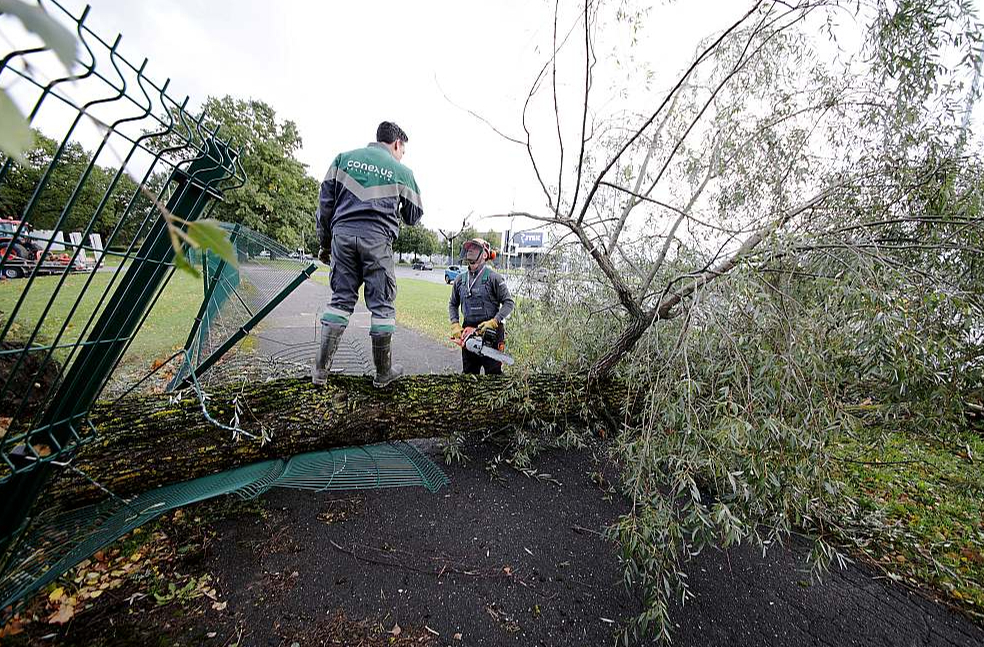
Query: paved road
{"x": 290, "y": 334}
{"x": 435, "y": 275}
{"x": 743, "y": 598}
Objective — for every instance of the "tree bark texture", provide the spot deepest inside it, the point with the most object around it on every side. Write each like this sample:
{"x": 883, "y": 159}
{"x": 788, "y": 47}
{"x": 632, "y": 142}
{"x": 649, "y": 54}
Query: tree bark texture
{"x": 149, "y": 441}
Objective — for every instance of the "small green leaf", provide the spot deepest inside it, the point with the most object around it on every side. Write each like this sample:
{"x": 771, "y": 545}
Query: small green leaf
{"x": 15, "y": 133}
{"x": 181, "y": 263}
{"x": 56, "y": 36}
{"x": 210, "y": 235}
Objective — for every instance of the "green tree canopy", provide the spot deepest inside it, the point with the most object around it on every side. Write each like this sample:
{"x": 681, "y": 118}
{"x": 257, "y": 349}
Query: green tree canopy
{"x": 51, "y": 209}
{"x": 279, "y": 199}
{"x": 416, "y": 240}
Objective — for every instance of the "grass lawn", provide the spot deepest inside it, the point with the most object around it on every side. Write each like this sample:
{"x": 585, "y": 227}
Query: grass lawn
{"x": 423, "y": 306}
{"x": 934, "y": 491}
{"x": 164, "y": 332}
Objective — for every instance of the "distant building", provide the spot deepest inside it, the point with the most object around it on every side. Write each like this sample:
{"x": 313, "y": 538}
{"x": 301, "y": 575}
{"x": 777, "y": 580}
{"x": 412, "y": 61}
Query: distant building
{"x": 523, "y": 249}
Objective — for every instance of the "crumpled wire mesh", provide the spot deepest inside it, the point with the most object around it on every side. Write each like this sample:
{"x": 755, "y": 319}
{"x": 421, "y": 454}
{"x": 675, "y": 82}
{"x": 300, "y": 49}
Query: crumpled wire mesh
{"x": 60, "y": 540}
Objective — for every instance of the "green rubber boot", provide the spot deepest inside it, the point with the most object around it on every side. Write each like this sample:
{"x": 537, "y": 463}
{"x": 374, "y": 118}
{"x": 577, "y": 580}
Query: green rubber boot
{"x": 382, "y": 357}
{"x": 331, "y": 334}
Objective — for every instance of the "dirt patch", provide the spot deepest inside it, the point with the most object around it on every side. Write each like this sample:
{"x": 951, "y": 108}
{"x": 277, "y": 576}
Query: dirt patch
{"x": 27, "y": 381}
{"x": 492, "y": 559}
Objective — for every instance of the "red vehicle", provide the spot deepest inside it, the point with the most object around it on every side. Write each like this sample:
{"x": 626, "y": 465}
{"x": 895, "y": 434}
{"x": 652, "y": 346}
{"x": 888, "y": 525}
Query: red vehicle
{"x": 24, "y": 253}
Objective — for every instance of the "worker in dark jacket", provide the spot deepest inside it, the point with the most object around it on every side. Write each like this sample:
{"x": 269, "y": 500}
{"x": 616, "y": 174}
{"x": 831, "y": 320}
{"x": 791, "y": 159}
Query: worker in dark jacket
{"x": 483, "y": 298}
{"x": 364, "y": 197}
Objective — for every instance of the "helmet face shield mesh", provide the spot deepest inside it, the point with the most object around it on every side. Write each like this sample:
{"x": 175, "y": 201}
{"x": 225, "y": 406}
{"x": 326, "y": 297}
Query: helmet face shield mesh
{"x": 471, "y": 250}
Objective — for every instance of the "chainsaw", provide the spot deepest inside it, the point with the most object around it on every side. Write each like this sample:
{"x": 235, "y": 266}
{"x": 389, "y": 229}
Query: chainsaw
{"x": 484, "y": 345}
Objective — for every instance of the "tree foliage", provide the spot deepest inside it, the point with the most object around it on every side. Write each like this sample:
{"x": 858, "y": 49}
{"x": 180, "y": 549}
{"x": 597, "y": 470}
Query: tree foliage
{"x": 111, "y": 195}
{"x": 279, "y": 199}
{"x": 416, "y": 240}
{"x": 786, "y": 239}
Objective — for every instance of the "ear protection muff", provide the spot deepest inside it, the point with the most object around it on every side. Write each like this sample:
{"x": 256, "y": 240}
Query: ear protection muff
{"x": 492, "y": 254}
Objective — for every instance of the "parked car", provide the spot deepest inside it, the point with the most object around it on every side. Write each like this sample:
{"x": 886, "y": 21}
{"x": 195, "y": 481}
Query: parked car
{"x": 451, "y": 273}
{"x": 421, "y": 265}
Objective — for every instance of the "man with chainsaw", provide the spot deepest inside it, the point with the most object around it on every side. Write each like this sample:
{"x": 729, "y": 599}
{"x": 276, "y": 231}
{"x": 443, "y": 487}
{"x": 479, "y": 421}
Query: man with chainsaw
{"x": 483, "y": 298}
{"x": 364, "y": 196}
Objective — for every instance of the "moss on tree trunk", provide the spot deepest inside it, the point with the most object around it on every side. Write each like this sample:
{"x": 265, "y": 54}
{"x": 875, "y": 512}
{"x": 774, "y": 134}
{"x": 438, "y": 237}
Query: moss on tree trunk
{"x": 150, "y": 441}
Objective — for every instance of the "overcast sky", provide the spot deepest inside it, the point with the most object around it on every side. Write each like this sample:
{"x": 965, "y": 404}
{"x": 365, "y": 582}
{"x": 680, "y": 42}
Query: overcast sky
{"x": 338, "y": 69}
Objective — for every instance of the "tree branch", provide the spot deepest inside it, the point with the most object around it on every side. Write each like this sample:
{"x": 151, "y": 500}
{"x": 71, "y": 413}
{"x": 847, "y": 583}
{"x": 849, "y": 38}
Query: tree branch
{"x": 693, "y": 66}
{"x": 588, "y": 68}
{"x": 667, "y": 303}
{"x": 642, "y": 175}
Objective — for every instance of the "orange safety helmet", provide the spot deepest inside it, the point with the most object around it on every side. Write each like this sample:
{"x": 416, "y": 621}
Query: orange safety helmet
{"x": 480, "y": 242}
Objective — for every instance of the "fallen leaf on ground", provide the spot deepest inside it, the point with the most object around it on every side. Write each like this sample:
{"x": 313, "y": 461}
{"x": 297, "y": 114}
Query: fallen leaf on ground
{"x": 220, "y": 606}
{"x": 65, "y": 613}
{"x": 972, "y": 555}
{"x": 12, "y": 628}
{"x": 396, "y": 631}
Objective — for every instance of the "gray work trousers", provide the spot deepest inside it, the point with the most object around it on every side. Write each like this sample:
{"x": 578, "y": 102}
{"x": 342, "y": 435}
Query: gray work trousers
{"x": 357, "y": 261}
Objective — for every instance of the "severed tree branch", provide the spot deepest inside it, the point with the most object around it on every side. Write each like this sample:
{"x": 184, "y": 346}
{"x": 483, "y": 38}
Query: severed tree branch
{"x": 560, "y": 136}
{"x": 667, "y": 303}
{"x": 671, "y": 236}
{"x": 534, "y": 88}
{"x": 664, "y": 309}
{"x": 496, "y": 130}
{"x": 630, "y": 205}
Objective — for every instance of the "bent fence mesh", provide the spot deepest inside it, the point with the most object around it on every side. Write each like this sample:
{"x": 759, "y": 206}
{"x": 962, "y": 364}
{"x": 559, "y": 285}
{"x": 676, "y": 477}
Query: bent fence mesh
{"x": 67, "y": 324}
{"x": 74, "y": 309}
{"x": 59, "y": 541}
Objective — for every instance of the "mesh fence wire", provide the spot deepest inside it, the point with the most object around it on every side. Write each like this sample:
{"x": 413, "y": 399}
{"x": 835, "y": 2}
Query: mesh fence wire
{"x": 60, "y": 540}
{"x": 233, "y": 304}
{"x": 84, "y": 247}
{"x": 91, "y": 306}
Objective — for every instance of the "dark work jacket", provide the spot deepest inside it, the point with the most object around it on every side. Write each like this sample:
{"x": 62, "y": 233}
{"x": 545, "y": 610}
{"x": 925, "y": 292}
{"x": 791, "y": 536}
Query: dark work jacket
{"x": 367, "y": 192}
{"x": 481, "y": 299}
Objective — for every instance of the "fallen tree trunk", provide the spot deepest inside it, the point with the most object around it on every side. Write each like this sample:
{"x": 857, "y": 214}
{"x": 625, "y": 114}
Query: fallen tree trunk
{"x": 149, "y": 441}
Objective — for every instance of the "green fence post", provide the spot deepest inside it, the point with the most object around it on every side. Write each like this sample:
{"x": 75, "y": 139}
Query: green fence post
{"x": 108, "y": 338}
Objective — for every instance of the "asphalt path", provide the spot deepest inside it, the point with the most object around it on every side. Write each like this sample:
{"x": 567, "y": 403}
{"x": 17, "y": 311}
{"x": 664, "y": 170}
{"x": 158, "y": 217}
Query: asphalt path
{"x": 515, "y": 560}
{"x": 435, "y": 275}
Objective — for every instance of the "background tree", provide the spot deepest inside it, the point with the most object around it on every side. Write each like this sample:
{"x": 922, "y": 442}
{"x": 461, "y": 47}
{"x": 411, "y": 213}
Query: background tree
{"x": 104, "y": 190}
{"x": 428, "y": 243}
{"x": 416, "y": 240}
{"x": 494, "y": 238}
{"x": 279, "y": 199}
